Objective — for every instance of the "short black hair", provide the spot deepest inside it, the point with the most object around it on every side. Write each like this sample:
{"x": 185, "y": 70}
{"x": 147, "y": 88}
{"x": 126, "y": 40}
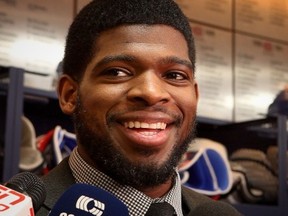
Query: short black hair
{"x": 101, "y": 15}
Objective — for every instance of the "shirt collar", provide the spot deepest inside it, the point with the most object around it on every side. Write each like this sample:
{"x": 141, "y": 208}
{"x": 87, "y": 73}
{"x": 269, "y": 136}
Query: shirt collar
{"x": 136, "y": 201}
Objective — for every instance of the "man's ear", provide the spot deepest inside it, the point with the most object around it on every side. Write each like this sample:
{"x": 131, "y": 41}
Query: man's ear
{"x": 196, "y": 90}
{"x": 67, "y": 93}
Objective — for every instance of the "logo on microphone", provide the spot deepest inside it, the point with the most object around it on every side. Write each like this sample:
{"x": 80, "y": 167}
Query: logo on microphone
{"x": 91, "y": 205}
{"x": 14, "y": 203}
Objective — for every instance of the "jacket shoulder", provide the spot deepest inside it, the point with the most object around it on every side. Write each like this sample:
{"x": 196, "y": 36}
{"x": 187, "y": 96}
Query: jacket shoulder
{"x": 196, "y": 204}
{"x": 56, "y": 183}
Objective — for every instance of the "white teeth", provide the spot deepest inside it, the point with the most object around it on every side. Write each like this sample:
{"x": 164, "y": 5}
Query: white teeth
{"x": 137, "y": 124}
{"x": 148, "y": 133}
{"x": 144, "y": 125}
{"x": 130, "y": 124}
{"x": 154, "y": 126}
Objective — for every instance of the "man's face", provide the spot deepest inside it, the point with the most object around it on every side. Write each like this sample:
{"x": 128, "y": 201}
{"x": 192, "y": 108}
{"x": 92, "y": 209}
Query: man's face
{"x": 136, "y": 104}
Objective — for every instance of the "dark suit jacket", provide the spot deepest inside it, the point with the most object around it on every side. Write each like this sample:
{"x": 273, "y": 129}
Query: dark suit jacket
{"x": 60, "y": 178}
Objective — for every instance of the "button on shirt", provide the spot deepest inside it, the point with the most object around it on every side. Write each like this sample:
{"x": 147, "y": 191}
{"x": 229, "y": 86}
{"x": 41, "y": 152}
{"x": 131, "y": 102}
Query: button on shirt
{"x": 136, "y": 201}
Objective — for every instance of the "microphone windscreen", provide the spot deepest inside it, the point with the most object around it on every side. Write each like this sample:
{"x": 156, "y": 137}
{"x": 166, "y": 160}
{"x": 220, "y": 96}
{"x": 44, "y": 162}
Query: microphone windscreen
{"x": 14, "y": 203}
{"x": 215, "y": 208}
{"x": 84, "y": 199}
{"x": 29, "y": 184}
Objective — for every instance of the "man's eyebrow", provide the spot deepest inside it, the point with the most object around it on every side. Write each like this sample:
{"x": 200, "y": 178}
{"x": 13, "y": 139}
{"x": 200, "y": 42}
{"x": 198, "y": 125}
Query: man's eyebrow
{"x": 174, "y": 59}
{"x": 114, "y": 58}
{"x": 129, "y": 58}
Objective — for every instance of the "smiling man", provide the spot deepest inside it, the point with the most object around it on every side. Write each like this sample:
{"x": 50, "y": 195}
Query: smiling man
{"x": 129, "y": 83}
{"x": 135, "y": 105}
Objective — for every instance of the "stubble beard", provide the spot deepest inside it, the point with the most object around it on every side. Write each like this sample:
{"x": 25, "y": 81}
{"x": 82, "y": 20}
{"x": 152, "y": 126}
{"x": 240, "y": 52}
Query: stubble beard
{"x": 111, "y": 161}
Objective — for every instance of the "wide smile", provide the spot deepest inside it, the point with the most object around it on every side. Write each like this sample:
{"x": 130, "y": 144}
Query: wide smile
{"x": 143, "y": 134}
{"x": 145, "y": 130}
{"x": 145, "y": 125}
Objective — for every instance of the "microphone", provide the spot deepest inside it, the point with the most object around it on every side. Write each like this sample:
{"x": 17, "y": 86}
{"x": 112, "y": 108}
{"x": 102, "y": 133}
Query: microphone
{"x": 86, "y": 200}
{"x": 215, "y": 208}
{"x": 22, "y": 195}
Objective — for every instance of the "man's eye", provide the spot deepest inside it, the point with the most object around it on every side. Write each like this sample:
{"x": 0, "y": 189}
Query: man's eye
{"x": 176, "y": 76}
{"x": 116, "y": 72}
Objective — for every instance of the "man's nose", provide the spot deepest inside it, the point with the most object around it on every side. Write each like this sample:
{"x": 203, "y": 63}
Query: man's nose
{"x": 149, "y": 88}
